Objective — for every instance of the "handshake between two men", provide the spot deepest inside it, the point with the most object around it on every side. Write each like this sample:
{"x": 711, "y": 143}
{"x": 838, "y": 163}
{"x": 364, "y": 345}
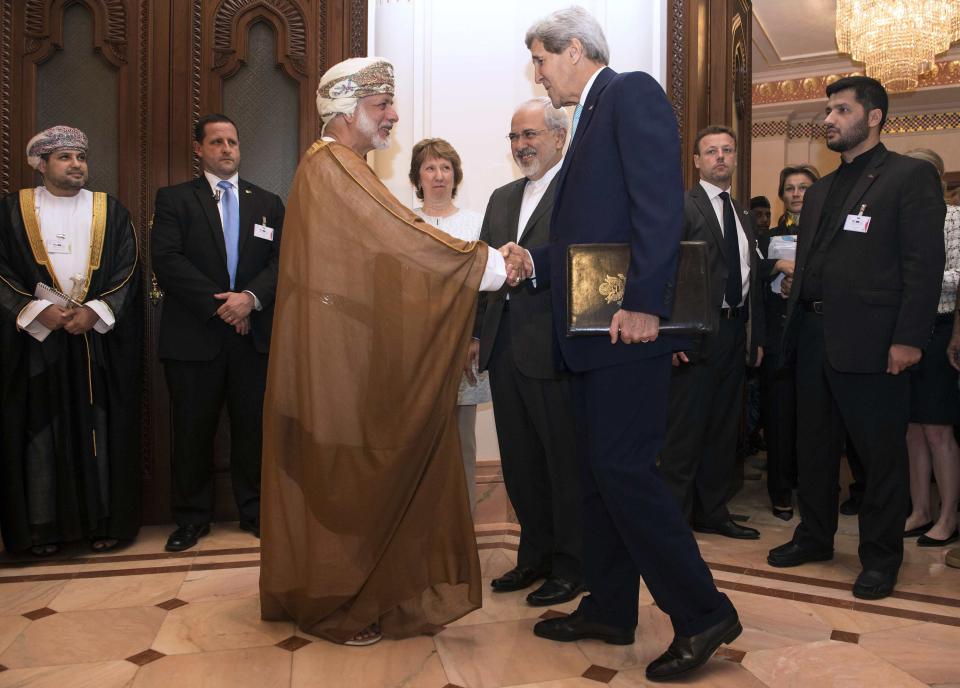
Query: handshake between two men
{"x": 629, "y": 327}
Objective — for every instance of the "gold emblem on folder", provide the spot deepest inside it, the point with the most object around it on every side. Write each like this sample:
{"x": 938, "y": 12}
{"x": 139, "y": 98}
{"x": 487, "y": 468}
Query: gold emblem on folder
{"x": 612, "y": 288}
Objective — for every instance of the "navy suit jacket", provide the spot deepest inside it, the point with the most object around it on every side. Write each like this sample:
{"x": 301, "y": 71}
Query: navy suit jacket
{"x": 620, "y": 183}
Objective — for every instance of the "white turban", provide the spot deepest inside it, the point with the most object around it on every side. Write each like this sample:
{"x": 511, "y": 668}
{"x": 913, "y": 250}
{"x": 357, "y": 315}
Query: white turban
{"x": 344, "y": 84}
{"x": 53, "y": 139}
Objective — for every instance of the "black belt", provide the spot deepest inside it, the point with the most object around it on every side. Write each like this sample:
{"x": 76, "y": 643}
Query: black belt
{"x": 732, "y": 313}
{"x": 812, "y": 306}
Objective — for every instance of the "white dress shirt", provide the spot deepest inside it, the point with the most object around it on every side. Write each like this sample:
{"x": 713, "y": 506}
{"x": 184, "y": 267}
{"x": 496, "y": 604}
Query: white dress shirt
{"x": 713, "y": 193}
{"x": 583, "y": 98}
{"x": 532, "y": 195}
{"x": 65, "y": 221}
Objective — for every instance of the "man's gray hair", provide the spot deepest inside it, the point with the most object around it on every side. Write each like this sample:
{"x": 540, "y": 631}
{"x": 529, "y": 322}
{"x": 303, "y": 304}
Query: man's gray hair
{"x": 557, "y": 30}
{"x": 554, "y": 118}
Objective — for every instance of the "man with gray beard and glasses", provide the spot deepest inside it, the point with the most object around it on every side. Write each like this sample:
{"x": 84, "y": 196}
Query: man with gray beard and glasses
{"x": 534, "y": 414}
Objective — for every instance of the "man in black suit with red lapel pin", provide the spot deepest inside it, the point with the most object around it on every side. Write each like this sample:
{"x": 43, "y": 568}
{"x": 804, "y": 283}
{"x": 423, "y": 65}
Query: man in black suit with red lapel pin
{"x": 215, "y": 246}
{"x": 862, "y": 304}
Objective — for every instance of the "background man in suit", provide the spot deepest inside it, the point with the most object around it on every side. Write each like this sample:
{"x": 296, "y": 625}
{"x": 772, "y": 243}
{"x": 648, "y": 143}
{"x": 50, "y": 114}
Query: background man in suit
{"x": 620, "y": 183}
{"x": 215, "y": 249}
{"x": 534, "y": 412}
{"x": 862, "y": 304}
{"x": 706, "y": 388}
{"x": 760, "y": 209}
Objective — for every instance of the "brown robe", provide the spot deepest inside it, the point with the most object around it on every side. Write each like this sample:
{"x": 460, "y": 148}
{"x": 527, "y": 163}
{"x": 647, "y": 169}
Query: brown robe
{"x": 365, "y": 514}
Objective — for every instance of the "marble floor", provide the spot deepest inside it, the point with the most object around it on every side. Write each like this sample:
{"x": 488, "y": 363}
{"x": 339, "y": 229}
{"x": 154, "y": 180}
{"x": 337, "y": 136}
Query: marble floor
{"x": 142, "y": 617}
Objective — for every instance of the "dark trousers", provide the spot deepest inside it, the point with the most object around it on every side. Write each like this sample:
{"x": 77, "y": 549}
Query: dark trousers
{"x": 198, "y": 390}
{"x": 858, "y": 482}
{"x": 874, "y": 407}
{"x": 535, "y": 431}
{"x": 706, "y": 399}
{"x": 778, "y": 404}
{"x": 632, "y": 522}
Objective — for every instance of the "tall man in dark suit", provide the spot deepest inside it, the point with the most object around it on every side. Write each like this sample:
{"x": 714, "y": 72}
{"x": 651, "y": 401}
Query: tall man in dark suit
{"x": 531, "y": 399}
{"x": 706, "y": 389}
{"x": 216, "y": 242}
{"x": 620, "y": 183}
{"x": 862, "y": 304}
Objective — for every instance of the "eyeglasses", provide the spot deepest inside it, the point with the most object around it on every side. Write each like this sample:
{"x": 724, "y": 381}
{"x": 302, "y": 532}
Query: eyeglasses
{"x": 527, "y": 134}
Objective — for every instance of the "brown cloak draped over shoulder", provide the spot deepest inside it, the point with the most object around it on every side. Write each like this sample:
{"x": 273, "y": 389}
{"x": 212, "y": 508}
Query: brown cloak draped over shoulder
{"x": 365, "y": 514}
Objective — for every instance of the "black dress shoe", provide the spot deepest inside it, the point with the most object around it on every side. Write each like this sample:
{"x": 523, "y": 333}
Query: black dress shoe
{"x": 851, "y": 507}
{"x": 186, "y": 536}
{"x": 919, "y": 530}
{"x": 792, "y": 554}
{"x": 251, "y": 527}
{"x": 686, "y": 654}
{"x": 554, "y": 591}
{"x": 783, "y": 514}
{"x": 517, "y": 579}
{"x": 575, "y": 627}
{"x": 927, "y": 541}
{"x": 729, "y": 529}
{"x": 874, "y": 585}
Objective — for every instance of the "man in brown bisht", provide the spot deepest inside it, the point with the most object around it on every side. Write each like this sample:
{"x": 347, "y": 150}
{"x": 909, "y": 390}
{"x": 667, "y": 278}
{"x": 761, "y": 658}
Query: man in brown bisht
{"x": 366, "y": 526}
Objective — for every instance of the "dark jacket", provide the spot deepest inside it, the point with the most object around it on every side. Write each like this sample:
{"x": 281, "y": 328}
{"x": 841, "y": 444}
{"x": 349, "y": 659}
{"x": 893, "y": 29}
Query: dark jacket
{"x": 190, "y": 262}
{"x": 880, "y": 287}
{"x": 700, "y": 224}
{"x": 531, "y": 314}
{"x": 620, "y": 183}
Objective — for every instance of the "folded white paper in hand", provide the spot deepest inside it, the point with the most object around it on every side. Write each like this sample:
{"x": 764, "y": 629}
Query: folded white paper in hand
{"x": 781, "y": 247}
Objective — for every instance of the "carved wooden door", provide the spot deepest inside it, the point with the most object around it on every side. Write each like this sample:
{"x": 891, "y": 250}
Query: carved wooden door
{"x": 135, "y": 75}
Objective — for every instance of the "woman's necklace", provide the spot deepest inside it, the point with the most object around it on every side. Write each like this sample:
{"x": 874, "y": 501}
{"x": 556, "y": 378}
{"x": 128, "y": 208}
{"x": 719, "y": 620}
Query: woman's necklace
{"x": 438, "y": 215}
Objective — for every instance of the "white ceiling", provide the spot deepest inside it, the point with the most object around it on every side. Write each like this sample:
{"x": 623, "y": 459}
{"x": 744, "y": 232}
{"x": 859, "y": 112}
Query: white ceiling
{"x": 796, "y": 38}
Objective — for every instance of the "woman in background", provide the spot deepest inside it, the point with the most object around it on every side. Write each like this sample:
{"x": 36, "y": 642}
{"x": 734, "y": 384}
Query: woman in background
{"x": 436, "y": 173}
{"x": 935, "y": 403}
{"x": 778, "y": 396}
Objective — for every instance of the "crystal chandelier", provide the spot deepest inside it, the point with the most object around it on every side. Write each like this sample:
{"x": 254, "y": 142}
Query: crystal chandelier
{"x": 897, "y": 39}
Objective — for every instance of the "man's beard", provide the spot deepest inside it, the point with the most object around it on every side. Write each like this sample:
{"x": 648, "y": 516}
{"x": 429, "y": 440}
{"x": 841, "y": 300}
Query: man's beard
{"x": 369, "y": 128}
{"x": 531, "y": 166}
{"x": 858, "y": 134}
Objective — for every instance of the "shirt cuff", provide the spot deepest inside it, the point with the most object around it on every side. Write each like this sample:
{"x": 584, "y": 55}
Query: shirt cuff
{"x": 27, "y": 320}
{"x": 256, "y": 301}
{"x": 495, "y": 272}
{"x": 107, "y": 319}
{"x": 533, "y": 274}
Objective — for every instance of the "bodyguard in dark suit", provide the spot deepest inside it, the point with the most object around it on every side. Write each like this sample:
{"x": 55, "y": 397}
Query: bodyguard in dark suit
{"x": 216, "y": 242}
{"x": 862, "y": 304}
{"x": 531, "y": 399}
{"x": 620, "y": 183}
{"x": 706, "y": 388}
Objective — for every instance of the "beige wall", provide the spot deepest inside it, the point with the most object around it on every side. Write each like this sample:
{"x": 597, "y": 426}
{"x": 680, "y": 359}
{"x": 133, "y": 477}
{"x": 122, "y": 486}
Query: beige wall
{"x": 771, "y": 154}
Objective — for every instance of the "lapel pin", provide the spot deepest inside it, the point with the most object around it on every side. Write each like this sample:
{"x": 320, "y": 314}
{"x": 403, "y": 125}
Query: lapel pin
{"x": 247, "y": 191}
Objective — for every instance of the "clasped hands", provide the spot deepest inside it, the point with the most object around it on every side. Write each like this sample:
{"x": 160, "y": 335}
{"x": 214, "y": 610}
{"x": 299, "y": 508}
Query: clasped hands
{"x": 236, "y": 309}
{"x": 74, "y": 320}
{"x": 518, "y": 261}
